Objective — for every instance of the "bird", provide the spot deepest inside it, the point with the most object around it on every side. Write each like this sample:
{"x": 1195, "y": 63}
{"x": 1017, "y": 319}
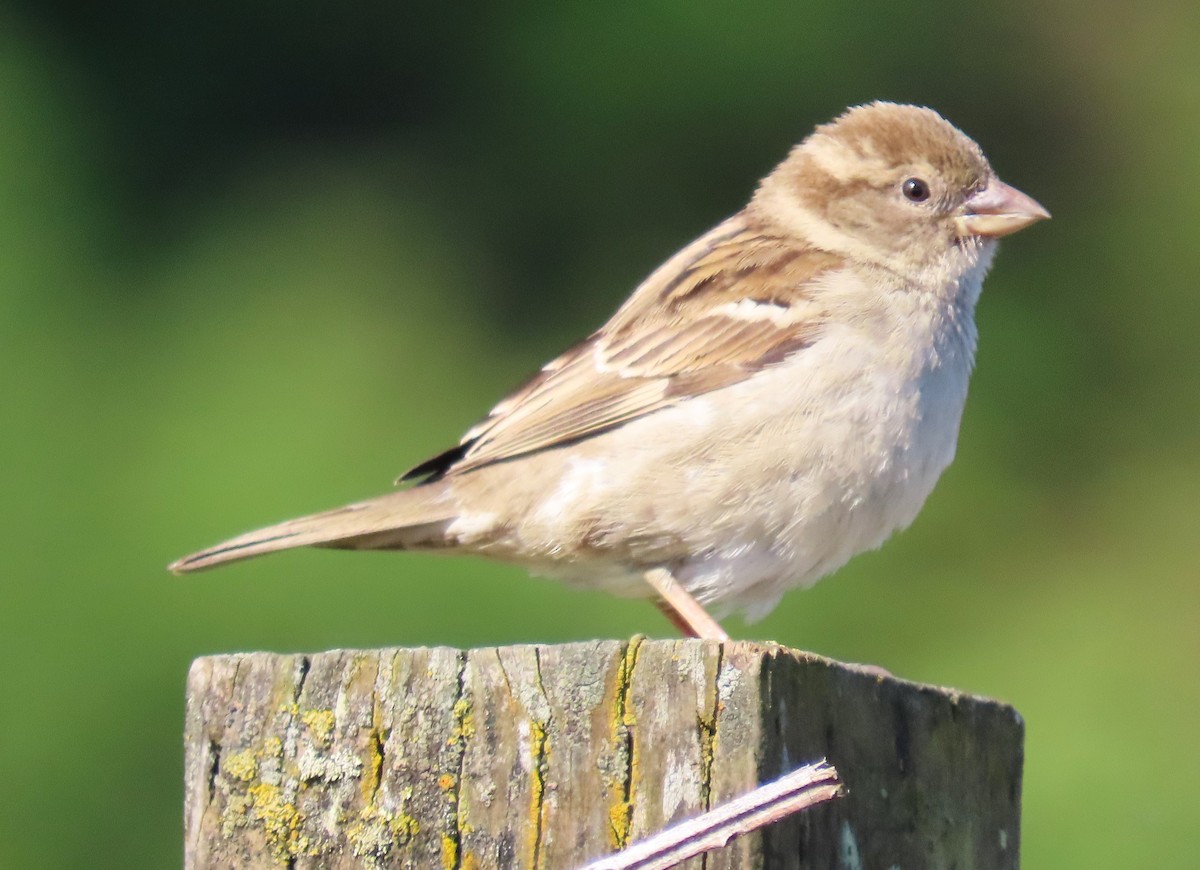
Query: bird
{"x": 780, "y": 395}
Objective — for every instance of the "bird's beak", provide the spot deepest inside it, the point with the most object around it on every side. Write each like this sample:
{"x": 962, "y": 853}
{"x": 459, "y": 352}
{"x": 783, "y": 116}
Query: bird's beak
{"x": 998, "y": 210}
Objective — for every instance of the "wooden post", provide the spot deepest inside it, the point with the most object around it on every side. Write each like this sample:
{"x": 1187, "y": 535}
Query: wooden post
{"x": 550, "y": 756}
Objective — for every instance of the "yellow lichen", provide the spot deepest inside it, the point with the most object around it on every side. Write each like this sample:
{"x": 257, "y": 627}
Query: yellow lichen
{"x": 620, "y": 817}
{"x": 624, "y": 775}
{"x": 273, "y": 747}
{"x": 369, "y": 784}
{"x": 464, "y": 725}
{"x": 539, "y": 750}
{"x": 240, "y": 765}
{"x": 403, "y": 827}
{"x": 462, "y": 729}
{"x": 449, "y": 852}
{"x": 320, "y": 723}
{"x": 281, "y": 822}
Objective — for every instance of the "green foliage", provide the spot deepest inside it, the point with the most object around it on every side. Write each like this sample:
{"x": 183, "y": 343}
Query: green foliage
{"x": 255, "y": 260}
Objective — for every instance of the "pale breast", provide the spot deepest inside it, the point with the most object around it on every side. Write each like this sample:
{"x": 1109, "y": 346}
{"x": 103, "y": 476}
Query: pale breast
{"x": 769, "y": 483}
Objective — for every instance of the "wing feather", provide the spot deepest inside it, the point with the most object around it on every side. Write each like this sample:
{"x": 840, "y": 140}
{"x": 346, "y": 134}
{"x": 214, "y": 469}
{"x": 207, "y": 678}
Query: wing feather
{"x": 733, "y": 302}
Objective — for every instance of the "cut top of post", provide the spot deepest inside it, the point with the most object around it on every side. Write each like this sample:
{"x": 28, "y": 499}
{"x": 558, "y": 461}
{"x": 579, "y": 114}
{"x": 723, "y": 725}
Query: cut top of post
{"x": 552, "y": 756}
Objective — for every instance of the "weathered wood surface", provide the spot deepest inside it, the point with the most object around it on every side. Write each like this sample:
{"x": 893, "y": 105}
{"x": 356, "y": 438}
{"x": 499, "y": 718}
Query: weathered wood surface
{"x": 548, "y": 756}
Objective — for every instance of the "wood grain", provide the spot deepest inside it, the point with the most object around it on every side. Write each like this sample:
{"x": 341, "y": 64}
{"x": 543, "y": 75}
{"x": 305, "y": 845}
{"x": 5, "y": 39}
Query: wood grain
{"x": 551, "y": 756}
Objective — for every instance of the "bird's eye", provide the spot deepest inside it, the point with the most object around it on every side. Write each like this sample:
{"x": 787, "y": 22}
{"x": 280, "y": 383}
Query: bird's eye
{"x": 915, "y": 189}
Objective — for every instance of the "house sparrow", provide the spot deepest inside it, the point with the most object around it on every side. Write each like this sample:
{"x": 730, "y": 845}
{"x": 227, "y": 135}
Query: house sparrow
{"x": 779, "y": 396}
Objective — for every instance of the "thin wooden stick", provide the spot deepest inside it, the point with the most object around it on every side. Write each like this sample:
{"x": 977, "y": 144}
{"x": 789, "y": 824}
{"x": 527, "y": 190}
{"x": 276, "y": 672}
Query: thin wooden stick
{"x": 791, "y": 793}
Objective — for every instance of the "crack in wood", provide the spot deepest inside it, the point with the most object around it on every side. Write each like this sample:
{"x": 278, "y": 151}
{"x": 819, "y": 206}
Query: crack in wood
{"x": 621, "y": 812}
{"x": 214, "y": 749}
{"x": 302, "y": 668}
{"x": 708, "y": 740}
{"x": 461, "y": 711}
{"x": 538, "y": 750}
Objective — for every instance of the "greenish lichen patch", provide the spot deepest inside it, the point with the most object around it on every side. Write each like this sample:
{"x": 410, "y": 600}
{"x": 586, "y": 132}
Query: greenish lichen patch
{"x": 233, "y": 816}
{"x": 281, "y": 822}
{"x": 257, "y": 788}
{"x": 464, "y": 725}
{"x": 242, "y": 766}
{"x": 376, "y": 833}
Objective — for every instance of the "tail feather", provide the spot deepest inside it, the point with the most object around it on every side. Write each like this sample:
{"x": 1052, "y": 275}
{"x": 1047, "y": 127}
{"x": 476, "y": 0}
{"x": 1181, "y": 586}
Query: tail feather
{"x": 399, "y": 520}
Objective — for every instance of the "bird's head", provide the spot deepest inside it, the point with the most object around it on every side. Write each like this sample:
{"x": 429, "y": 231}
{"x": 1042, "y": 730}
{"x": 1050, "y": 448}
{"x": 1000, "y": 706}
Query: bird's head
{"x": 895, "y": 186}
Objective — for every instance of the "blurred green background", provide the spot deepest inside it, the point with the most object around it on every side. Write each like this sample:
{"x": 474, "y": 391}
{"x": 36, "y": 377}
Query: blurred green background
{"x": 258, "y": 258}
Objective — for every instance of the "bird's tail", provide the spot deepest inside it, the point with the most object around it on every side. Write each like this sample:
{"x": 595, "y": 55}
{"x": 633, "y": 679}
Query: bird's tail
{"x": 411, "y": 518}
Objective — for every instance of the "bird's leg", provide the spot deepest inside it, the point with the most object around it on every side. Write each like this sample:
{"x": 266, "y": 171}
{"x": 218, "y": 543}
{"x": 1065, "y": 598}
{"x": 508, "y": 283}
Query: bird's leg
{"x": 681, "y": 608}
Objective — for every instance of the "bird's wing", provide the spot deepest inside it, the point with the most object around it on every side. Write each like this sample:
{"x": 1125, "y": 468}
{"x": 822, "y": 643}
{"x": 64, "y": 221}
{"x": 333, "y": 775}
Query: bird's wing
{"x": 736, "y": 300}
